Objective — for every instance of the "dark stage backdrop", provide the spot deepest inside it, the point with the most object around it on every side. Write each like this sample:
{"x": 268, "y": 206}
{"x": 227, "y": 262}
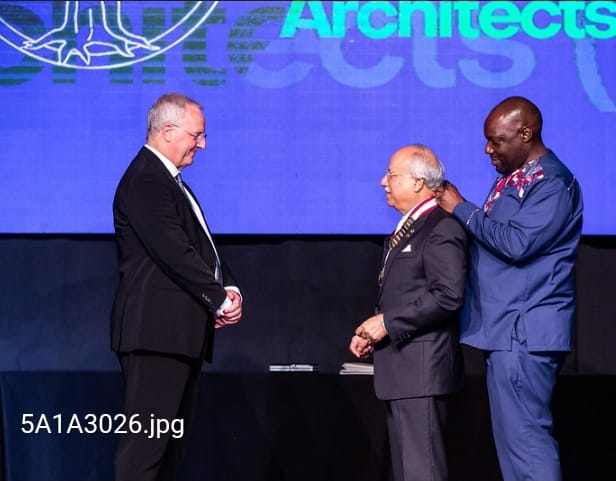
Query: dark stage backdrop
{"x": 304, "y": 295}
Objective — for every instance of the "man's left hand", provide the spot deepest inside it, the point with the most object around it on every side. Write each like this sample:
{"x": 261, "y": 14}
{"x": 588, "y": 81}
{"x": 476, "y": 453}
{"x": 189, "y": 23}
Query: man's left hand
{"x": 233, "y": 313}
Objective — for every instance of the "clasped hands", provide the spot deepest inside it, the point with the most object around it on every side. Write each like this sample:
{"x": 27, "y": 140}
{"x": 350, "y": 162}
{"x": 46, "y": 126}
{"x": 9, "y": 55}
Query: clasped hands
{"x": 232, "y": 313}
{"x": 367, "y": 335}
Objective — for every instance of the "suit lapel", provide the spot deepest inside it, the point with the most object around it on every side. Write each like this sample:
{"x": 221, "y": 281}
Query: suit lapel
{"x": 157, "y": 164}
{"x": 417, "y": 225}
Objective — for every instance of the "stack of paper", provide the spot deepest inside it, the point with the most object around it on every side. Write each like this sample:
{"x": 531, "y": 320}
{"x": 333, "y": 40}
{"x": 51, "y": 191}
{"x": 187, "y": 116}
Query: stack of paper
{"x": 357, "y": 368}
{"x": 292, "y": 367}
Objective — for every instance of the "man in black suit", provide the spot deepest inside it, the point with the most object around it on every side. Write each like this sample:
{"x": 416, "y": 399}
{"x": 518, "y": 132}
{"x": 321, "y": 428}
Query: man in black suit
{"x": 414, "y": 333}
{"x": 173, "y": 292}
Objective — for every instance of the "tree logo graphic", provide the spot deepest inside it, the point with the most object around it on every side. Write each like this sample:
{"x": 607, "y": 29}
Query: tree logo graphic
{"x": 98, "y": 34}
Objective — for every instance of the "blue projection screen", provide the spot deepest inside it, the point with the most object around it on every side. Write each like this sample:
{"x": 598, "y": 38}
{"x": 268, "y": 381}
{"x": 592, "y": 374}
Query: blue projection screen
{"x": 304, "y": 101}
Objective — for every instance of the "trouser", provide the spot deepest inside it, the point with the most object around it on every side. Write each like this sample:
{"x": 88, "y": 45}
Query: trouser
{"x": 416, "y": 429}
{"x": 520, "y": 387}
{"x": 158, "y": 387}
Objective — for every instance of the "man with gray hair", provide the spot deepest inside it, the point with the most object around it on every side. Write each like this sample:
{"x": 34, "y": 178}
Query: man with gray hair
{"x": 414, "y": 332}
{"x": 173, "y": 292}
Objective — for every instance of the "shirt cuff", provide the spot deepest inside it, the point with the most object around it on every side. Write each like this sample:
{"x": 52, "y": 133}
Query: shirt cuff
{"x": 383, "y": 325}
{"x": 465, "y": 211}
{"x": 234, "y": 289}
{"x": 221, "y": 310}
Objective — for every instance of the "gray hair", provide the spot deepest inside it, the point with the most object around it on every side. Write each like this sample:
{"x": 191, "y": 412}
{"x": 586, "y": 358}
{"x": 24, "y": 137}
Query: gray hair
{"x": 426, "y": 165}
{"x": 170, "y": 107}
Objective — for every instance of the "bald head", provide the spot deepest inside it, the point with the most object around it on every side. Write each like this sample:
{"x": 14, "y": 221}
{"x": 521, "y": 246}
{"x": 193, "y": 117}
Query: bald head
{"x": 520, "y": 111}
{"x": 513, "y": 133}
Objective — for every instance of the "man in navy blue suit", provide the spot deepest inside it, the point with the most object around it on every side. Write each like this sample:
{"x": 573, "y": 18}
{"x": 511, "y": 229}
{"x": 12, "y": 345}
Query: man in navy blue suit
{"x": 520, "y": 299}
{"x": 174, "y": 290}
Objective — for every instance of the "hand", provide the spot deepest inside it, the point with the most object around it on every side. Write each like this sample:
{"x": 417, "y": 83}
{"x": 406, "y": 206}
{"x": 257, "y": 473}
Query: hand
{"x": 360, "y": 347}
{"x": 233, "y": 313}
{"x": 448, "y": 196}
{"x": 372, "y": 329}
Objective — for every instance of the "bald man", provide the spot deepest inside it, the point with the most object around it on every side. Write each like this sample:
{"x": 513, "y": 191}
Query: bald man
{"x": 414, "y": 333}
{"x": 520, "y": 302}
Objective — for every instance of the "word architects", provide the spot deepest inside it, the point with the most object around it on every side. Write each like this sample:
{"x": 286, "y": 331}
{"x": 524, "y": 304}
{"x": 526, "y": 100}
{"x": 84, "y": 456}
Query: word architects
{"x": 499, "y": 20}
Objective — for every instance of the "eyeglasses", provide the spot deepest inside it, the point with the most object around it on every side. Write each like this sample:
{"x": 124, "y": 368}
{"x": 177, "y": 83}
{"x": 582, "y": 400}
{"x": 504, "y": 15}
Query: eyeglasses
{"x": 391, "y": 175}
{"x": 197, "y": 137}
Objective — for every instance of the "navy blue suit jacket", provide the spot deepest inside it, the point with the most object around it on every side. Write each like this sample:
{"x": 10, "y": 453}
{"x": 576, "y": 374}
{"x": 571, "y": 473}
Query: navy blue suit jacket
{"x": 523, "y": 253}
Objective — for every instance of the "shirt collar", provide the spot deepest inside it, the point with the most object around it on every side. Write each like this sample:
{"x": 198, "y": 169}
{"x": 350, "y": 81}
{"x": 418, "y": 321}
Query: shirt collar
{"x": 173, "y": 170}
{"x": 425, "y": 206}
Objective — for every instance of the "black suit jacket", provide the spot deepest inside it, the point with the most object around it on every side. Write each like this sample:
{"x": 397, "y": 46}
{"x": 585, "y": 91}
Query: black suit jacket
{"x": 420, "y": 296}
{"x": 167, "y": 295}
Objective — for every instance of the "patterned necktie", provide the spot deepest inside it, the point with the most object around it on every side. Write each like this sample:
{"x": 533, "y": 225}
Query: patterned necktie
{"x": 394, "y": 241}
{"x": 399, "y": 235}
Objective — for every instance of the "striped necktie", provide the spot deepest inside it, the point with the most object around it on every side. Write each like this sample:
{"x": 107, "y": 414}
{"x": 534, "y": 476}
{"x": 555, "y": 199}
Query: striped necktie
{"x": 394, "y": 241}
{"x": 399, "y": 235}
